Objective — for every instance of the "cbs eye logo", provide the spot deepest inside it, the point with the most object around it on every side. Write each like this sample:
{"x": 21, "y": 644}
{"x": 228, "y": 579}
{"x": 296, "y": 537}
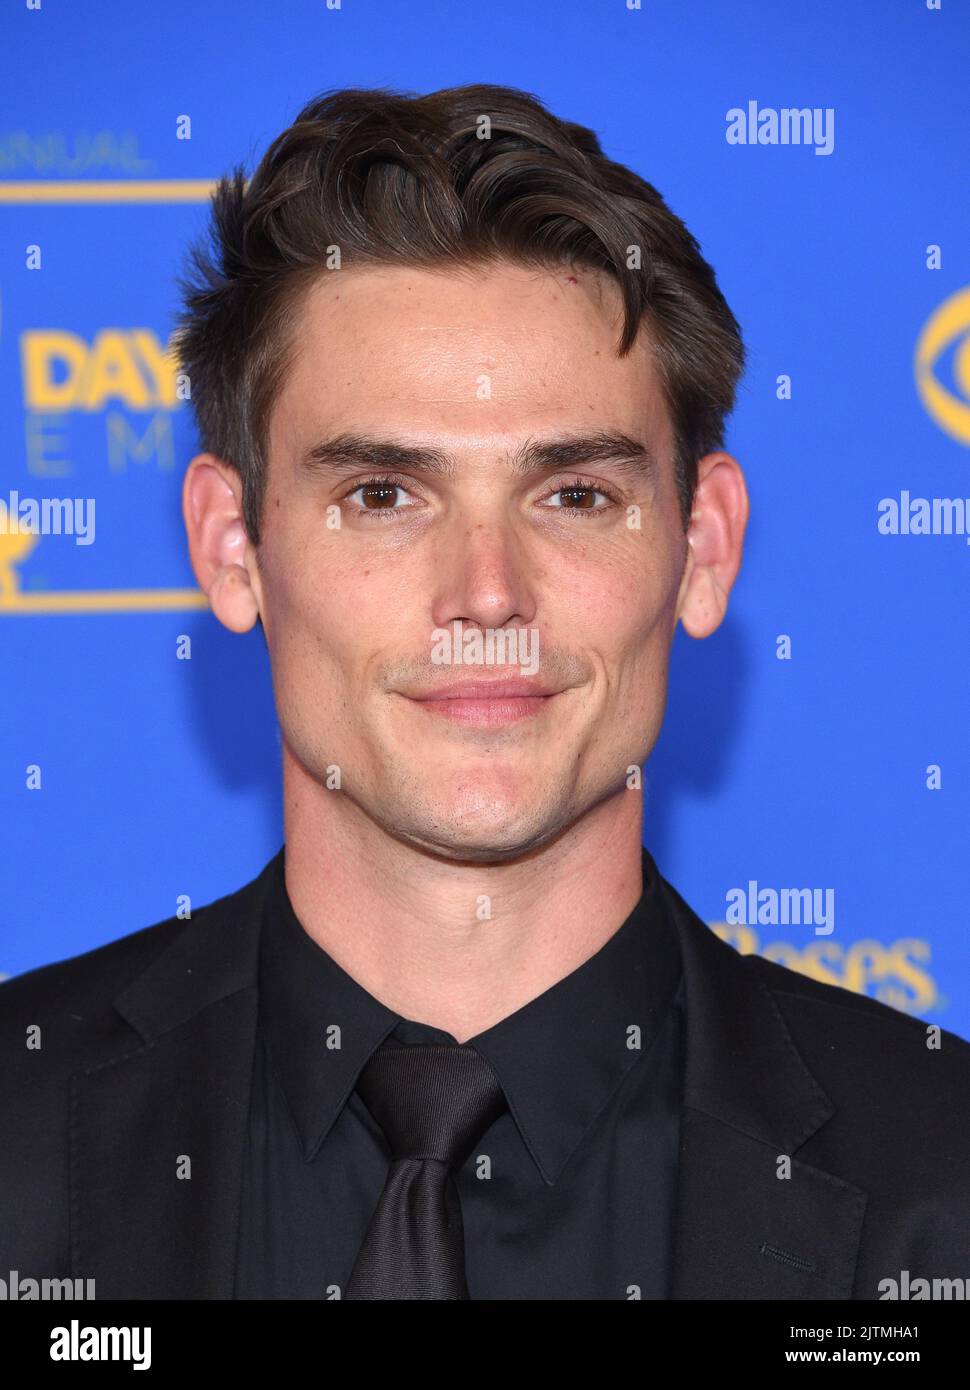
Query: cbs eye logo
{"x": 949, "y": 325}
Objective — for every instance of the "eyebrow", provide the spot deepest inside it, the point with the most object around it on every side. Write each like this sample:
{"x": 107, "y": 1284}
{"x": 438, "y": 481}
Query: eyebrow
{"x": 350, "y": 453}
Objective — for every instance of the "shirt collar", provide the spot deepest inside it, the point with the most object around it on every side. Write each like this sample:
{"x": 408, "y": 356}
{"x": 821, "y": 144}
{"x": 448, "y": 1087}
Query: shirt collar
{"x": 559, "y": 1058}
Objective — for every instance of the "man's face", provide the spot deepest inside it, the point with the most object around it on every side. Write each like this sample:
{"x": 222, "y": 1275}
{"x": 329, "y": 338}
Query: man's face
{"x": 358, "y": 580}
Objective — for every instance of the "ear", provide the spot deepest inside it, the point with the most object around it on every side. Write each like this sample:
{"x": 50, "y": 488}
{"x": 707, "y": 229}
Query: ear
{"x": 223, "y": 557}
{"x": 714, "y": 538}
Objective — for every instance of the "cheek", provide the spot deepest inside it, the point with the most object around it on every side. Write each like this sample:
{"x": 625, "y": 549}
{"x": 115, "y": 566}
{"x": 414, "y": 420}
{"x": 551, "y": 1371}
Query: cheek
{"x": 330, "y": 619}
{"x": 625, "y": 612}
{"x": 310, "y": 581}
{"x": 620, "y": 595}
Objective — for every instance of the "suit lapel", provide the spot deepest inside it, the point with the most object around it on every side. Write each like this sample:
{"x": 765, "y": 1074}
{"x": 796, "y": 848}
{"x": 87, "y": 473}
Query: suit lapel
{"x": 750, "y": 1102}
{"x": 157, "y": 1132}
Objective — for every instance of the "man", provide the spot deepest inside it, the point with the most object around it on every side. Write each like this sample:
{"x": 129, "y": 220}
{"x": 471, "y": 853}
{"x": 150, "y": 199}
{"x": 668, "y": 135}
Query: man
{"x": 461, "y": 385}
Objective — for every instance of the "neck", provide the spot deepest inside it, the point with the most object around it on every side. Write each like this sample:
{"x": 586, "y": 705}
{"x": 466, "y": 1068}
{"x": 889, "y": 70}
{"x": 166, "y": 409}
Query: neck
{"x": 414, "y": 929}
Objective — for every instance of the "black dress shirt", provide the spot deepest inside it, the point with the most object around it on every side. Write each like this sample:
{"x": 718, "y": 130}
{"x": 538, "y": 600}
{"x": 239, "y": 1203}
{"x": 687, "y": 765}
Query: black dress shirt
{"x": 578, "y": 1201}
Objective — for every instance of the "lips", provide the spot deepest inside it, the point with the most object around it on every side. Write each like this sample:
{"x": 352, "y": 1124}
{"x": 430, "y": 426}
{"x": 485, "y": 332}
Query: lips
{"x": 508, "y": 688}
{"x": 486, "y": 703}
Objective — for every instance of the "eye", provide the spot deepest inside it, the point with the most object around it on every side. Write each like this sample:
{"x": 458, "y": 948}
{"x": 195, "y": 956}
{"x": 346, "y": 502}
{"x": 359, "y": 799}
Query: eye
{"x": 382, "y": 496}
{"x": 580, "y": 497}
{"x": 377, "y": 495}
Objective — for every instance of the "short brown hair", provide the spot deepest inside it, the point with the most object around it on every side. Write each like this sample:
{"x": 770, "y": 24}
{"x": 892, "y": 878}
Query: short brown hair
{"x": 460, "y": 177}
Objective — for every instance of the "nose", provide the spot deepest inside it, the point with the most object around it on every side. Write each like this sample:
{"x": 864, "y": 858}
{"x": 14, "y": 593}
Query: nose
{"x": 483, "y": 576}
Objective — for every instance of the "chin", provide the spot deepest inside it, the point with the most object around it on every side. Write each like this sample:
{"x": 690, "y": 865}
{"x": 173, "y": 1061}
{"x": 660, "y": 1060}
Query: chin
{"x": 479, "y": 837}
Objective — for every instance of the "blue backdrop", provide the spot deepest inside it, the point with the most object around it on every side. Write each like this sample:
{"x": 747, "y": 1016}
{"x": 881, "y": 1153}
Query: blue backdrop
{"x": 817, "y": 740}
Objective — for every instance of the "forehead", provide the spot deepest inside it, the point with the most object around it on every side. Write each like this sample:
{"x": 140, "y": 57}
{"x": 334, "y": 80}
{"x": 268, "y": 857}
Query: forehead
{"x": 474, "y": 354}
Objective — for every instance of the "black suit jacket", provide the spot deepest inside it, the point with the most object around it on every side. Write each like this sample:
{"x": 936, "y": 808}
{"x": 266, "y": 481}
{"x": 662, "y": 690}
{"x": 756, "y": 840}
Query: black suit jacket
{"x": 146, "y": 1058}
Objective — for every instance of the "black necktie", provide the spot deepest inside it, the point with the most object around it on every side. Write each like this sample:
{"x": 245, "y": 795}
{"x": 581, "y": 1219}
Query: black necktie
{"x": 433, "y": 1102}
